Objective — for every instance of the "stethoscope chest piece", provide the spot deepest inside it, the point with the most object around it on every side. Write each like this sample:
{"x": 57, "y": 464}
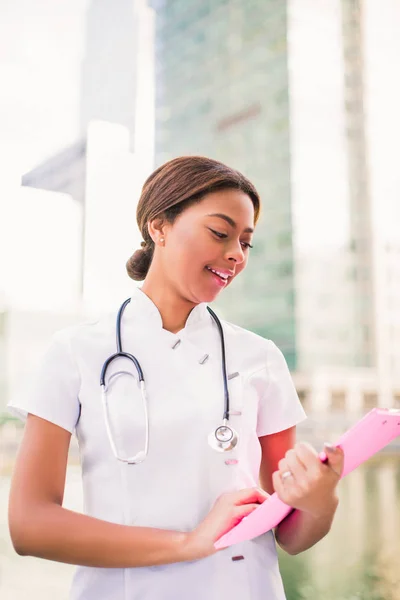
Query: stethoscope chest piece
{"x": 223, "y": 439}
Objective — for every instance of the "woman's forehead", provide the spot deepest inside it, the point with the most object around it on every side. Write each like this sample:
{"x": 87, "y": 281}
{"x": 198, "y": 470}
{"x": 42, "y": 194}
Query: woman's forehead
{"x": 234, "y": 204}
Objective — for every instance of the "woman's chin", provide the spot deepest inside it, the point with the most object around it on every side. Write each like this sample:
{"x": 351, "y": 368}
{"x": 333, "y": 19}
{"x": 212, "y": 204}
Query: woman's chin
{"x": 207, "y": 296}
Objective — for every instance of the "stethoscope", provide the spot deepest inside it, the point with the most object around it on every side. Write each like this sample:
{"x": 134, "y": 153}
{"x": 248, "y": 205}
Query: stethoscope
{"x": 222, "y": 439}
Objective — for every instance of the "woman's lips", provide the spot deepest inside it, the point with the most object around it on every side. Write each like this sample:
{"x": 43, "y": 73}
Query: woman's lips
{"x": 217, "y": 279}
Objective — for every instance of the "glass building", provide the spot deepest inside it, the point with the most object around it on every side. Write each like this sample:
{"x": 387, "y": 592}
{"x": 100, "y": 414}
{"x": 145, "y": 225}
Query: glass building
{"x": 222, "y": 91}
{"x": 289, "y": 93}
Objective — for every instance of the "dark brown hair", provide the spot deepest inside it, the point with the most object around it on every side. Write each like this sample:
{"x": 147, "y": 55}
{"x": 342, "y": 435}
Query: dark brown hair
{"x": 172, "y": 188}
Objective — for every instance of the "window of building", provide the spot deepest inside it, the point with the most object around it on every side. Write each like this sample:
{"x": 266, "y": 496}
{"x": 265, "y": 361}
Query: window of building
{"x": 370, "y": 400}
{"x": 338, "y": 401}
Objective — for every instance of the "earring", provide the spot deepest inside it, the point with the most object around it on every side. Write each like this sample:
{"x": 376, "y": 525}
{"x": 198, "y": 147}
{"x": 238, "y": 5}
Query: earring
{"x": 162, "y": 241}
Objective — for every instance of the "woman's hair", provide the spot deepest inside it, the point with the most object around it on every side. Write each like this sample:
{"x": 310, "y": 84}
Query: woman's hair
{"x": 172, "y": 188}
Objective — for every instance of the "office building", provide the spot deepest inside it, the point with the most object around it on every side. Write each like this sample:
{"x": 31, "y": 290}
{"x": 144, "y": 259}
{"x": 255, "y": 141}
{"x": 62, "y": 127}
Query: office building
{"x": 286, "y": 93}
{"x": 117, "y": 79}
{"x": 64, "y": 172}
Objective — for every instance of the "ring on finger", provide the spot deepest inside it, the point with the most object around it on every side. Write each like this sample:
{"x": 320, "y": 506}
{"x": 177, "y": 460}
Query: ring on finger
{"x": 286, "y": 474}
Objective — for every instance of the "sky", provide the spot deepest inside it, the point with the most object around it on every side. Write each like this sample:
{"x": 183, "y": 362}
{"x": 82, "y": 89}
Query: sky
{"x": 41, "y": 46}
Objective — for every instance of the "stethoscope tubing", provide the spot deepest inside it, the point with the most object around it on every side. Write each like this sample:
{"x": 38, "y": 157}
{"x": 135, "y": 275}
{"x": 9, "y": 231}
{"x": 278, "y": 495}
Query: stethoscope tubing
{"x": 219, "y": 444}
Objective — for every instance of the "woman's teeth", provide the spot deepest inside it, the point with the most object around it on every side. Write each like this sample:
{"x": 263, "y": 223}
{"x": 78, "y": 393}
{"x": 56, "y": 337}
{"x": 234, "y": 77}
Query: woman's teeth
{"x": 223, "y": 276}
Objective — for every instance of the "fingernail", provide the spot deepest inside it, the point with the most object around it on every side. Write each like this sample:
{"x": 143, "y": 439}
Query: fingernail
{"x": 329, "y": 447}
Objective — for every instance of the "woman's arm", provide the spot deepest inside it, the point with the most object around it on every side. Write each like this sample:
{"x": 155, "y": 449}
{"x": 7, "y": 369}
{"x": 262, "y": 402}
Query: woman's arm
{"x": 311, "y": 489}
{"x": 40, "y": 526}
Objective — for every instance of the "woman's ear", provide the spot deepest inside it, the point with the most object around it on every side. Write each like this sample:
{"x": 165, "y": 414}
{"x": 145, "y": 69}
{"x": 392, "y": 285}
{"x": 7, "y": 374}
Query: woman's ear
{"x": 156, "y": 229}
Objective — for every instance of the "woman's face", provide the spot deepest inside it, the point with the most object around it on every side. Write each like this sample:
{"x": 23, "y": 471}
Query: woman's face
{"x": 208, "y": 244}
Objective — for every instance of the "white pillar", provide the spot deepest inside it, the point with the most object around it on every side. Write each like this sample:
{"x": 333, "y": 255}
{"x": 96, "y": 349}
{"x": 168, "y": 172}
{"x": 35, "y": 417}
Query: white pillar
{"x": 114, "y": 180}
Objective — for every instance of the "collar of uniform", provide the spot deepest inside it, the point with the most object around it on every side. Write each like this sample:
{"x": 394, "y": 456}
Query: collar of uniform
{"x": 141, "y": 307}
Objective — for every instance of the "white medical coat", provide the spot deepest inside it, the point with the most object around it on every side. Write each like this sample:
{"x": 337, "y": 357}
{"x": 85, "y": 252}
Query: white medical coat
{"x": 178, "y": 483}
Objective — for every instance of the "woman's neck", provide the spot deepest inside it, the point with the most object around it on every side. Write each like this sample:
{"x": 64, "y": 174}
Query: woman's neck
{"x": 174, "y": 310}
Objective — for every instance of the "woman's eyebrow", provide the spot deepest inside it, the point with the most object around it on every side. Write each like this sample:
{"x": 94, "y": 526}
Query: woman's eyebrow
{"x": 230, "y": 221}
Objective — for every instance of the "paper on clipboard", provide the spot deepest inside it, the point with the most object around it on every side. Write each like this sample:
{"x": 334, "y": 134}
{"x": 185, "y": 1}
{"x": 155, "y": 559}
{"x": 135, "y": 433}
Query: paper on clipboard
{"x": 372, "y": 433}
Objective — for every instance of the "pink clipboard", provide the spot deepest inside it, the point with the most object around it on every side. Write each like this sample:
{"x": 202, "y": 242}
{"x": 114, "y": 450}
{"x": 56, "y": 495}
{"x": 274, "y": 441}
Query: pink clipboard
{"x": 372, "y": 433}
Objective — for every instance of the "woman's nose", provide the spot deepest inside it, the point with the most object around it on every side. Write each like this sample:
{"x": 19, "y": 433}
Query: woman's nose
{"x": 235, "y": 252}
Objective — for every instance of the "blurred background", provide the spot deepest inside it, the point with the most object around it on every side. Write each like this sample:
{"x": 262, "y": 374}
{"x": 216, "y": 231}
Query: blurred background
{"x": 302, "y": 96}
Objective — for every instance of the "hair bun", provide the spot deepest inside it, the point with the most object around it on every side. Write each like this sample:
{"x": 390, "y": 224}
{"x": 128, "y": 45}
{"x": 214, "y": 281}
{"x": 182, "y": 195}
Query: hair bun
{"x": 139, "y": 263}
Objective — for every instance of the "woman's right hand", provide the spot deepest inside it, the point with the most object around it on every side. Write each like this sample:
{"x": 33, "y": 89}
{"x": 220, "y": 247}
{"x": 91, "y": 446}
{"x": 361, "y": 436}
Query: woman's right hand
{"x": 228, "y": 510}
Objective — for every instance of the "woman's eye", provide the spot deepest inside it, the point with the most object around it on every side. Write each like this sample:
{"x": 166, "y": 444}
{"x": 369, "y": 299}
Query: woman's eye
{"x": 219, "y": 234}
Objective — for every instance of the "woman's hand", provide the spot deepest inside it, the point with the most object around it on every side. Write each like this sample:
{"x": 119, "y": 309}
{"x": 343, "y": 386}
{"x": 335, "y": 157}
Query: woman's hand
{"x": 306, "y": 483}
{"x": 228, "y": 510}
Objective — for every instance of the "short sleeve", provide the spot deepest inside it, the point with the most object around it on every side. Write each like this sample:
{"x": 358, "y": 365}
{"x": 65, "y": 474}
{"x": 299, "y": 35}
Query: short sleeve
{"x": 279, "y": 407}
{"x": 53, "y": 391}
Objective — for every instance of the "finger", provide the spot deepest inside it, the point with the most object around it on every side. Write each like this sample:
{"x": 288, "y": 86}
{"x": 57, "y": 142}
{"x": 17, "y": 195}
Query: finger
{"x": 310, "y": 459}
{"x": 244, "y": 510}
{"x": 285, "y": 472}
{"x": 249, "y": 495}
{"x": 296, "y": 467}
{"x": 283, "y": 465}
{"x": 307, "y": 454}
{"x": 335, "y": 458}
{"x": 264, "y": 494}
{"x": 279, "y": 486}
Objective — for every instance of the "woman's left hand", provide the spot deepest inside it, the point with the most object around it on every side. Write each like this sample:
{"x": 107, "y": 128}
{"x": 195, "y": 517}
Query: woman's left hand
{"x": 306, "y": 483}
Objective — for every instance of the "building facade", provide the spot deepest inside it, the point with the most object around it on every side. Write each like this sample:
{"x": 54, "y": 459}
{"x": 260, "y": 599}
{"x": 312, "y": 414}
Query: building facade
{"x": 229, "y": 62}
{"x": 117, "y": 69}
{"x": 65, "y": 172}
{"x": 282, "y": 91}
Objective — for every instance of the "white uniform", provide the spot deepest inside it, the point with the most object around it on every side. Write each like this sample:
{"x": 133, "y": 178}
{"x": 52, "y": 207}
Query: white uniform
{"x": 177, "y": 484}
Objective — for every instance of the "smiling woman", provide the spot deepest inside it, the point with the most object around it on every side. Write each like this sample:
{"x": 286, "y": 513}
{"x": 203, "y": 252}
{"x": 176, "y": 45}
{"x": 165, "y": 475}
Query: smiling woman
{"x": 203, "y": 213}
{"x": 207, "y": 202}
{"x": 152, "y": 519}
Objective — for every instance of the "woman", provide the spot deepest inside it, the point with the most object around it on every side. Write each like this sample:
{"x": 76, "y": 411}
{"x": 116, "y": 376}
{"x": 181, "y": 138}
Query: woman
{"x": 150, "y": 527}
